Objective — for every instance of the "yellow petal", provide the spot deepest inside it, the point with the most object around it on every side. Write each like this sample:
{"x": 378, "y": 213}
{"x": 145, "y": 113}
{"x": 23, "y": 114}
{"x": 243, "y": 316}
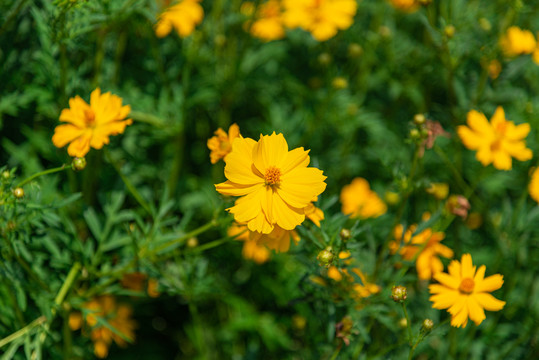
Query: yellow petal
{"x": 294, "y": 159}
{"x": 102, "y": 132}
{"x": 518, "y": 132}
{"x": 447, "y": 280}
{"x": 300, "y": 185}
{"x": 80, "y": 146}
{"x": 285, "y": 215}
{"x": 498, "y": 118}
{"x": 239, "y": 163}
{"x": 480, "y": 274}
{"x": 229, "y": 188}
{"x": 469, "y": 138}
{"x": 444, "y": 299}
{"x": 489, "y": 284}
{"x": 502, "y": 160}
{"x": 467, "y": 268}
{"x": 64, "y": 134}
{"x": 454, "y": 270}
{"x": 271, "y": 150}
{"x": 478, "y": 122}
{"x": 484, "y": 155}
{"x": 248, "y": 207}
{"x": 476, "y": 313}
{"x": 233, "y": 132}
{"x": 489, "y": 302}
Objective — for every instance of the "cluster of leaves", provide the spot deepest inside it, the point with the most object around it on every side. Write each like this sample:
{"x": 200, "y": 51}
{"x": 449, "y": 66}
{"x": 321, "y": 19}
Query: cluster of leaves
{"x": 214, "y": 303}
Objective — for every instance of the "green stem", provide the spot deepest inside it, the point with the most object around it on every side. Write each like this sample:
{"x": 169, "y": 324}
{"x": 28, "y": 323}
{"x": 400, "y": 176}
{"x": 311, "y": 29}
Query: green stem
{"x": 336, "y": 352}
{"x": 189, "y": 235}
{"x": 197, "y": 327}
{"x": 128, "y": 184}
{"x": 25, "y": 330}
{"x": 45, "y": 172}
{"x": 211, "y": 244}
{"x": 408, "y": 325}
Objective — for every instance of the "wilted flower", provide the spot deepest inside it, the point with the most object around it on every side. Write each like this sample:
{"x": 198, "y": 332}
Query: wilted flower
{"x": 275, "y": 184}
{"x": 343, "y": 329}
{"x": 91, "y": 125}
{"x": 465, "y": 292}
{"x": 517, "y": 42}
{"x": 183, "y": 16}
{"x": 433, "y": 129}
{"x": 322, "y": 18}
{"x": 221, "y": 144}
{"x": 458, "y": 205}
{"x": 359, "y": 201}
{"x": 496, "y": 142}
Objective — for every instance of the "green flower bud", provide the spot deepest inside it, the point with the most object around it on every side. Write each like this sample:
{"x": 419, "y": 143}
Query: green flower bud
{"x": 419, "y": 119}
{"x": 5, "y": 175}
{"x": 78, "y": 164}
{"x": 398, "y": 293}
{"x": 18, "y": 193}
{"x": 427, "y": 326}
{"x": 324, "y": 59}
{"x": 345, "y": 234}
{"x": 325, "y": 257}
{"x": 354, "y": 50}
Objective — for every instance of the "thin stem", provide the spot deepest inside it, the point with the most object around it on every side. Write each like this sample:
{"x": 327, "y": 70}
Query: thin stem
{"x": 211, "y": 244}
{"x": 408, "y": 325}
{"x": 336, "y": 352}
{"x": 45, "y": 172}
{"x": 189, "y": 235}
{"x": 128, "y": 184}
{"x": 17, "y": 334}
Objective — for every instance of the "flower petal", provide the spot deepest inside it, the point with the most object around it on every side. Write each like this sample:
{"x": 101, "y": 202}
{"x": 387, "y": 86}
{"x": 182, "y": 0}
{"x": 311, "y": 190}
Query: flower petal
{"x": 271, "y": 150}
{"x": 64, "y": 134}
{"x": 300, "y": 185}
{"x": 229, "y": 188}
{"x": 470, "y": 139}
{"x": 102, "y": 132}
{"x": 467, "y": 268}
{"x": 489, "y": 302}
{"x": 479, "y": 123}
{"x": 80, "y": 146}
{"x": 489, "y": 284}
{"x": 239, "y": 163}
{"x": 285, "y": 215}
{"x": 502, "y": 160}
{"x": 447, "y": 280}
{"x": 445, "y": 299}
{"x": 476, "y": 313}
{"x": 294, "y": 159}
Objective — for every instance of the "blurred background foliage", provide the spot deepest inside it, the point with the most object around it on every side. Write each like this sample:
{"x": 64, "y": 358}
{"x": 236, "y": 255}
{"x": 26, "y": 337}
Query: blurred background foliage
{"x": 350, "y": 100}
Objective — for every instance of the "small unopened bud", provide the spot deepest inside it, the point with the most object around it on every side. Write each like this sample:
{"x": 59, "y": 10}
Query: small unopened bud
{"x": 339, "y": 83}
{"x": 192, "y": 242}
{"x": 324, "y": 59}
{"x": 354, "y": 50}
{"x": 18, "y": 193}
{"x": 392, "y": 198}
{"x": 345, "y": 234}
{"x": 325, "y": 257}
{"x": 398, "y": 293}
{"x": 403, "y": 323}
{"x": 5, "y": 175}
{"x": 78, "y": 164}
{"x": 449, "y": 31}
{"x": 427, "y": 326}
{"x": 419, "y": 119}
{"x": 414, "y": 134}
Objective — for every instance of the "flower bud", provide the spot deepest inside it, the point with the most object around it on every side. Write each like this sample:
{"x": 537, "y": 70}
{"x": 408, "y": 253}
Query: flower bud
{"x": 398, "y": 293}
{"x": 324, "y": 59}
{"x": 354, "y": 50}
{"x": 414, "y": 134}
{"x": 403, "y": 323}
{"x": 419, "y": 119}
{"x": 449, "y": 31}
{"x": 392, "y": 198}
{"x": 78, "y": 164}
{"x": 339, "y": 83}
{"x": 325, "y": 257}
{"x": 192, "y": 242}
{"x": 345, "y": 234}
{"x": 427, "y": 326}
{"x": 5, "y": 175}
{"x": 18, "y": 193}
{"x": 458, "y": 205}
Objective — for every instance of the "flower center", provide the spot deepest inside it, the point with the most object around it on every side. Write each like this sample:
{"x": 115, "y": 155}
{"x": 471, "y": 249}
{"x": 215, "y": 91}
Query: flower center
{"x": 466, "y": 285}
{"x": 89, "y": 117}
{"x": 272, "y": 176}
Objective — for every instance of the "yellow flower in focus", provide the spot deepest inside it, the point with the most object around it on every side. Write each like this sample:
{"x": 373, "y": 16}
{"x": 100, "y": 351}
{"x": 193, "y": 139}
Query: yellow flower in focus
{"x": 267, "y": 24}
{"x": 405, "y": 5}
{"x": 91, "y": 125}
{"x": 183, "y": 16}
{"x": 221, "y": 144}
{"x": 517, "y": 42}
{"x": 464, "y": 292}
{"x": 358, "y": 200}
{"x": 314, "y": 214}
{"x": 496, "y": 142}
{"x": 533, "y": 187}
{"x": 118, "y": 317}
{"x": 424, "y": 247}
{"x": 322, "y": 18}
{"x": 274, "y": 184}
{"x": 438, "y": 190}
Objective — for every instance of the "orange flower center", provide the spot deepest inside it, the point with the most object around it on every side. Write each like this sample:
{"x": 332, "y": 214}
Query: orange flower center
{"x": 89, "y": 117}
{"x": 272, "y": 176}
{"x": 466, "y": 285}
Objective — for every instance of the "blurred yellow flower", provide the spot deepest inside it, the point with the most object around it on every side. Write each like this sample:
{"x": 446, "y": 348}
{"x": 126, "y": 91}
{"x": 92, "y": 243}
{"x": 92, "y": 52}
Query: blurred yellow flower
{"x": 465, "y": 292}
{"x": 405, "y": 5}
{"x": 275, "y": 184}
{"x": 91, "y": 125}
{"x": 359, "y": 201}
{"x": 258, "y": 253}
{"x": 221, "y": 144}
{"x": 139, "y": 282}
{"x": 494, "y": 69}
{"x": 496, "y": 142}
{"x": 517, "y": 42}
{"x": 438, "y": 190}
{"x": 118, "y": 316}
{"x": 322, "y": 18}
{"x": 535, "y": 55}
{"x": 365, "y": 289}
{"x": 267, "y": 23}
{"x": 183, "y": 16}
{"x": 314, "y": 214}
{"x": 424, "y": 247}
{"x": 278, "y": 239}
{"x": 533, "y": 187}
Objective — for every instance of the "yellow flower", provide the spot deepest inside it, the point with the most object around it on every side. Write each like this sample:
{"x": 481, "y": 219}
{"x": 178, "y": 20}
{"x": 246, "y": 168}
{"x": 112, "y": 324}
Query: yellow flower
{"x": 535, "y": 55}
{"x": 517, "y": 42}
{"x": 365, "y": 289}
{"x": 496, "y": 142}
{"x": 251, "y": 248}
{"x": 424, "y": 247}
{"x": 465, "y": 292}
{"x": 438, "y": 190}
{"x": 268, "y": 23}
{"x": 314, "y": 214}
{"x": 183, "y": 16}
{"x": 533, "y": 187}
{"x": 322, "y": 18}
{"x": 405, "y": 5}
{"x": 91, "y": 125}
{"x": 118, "y": 317}
{"x": 358, "y": 200}
{"x": 494, "y": 69}
{"x": 275, "y": 184}
{"x": 278, "y": 239}
{"x": 221, "y": 144}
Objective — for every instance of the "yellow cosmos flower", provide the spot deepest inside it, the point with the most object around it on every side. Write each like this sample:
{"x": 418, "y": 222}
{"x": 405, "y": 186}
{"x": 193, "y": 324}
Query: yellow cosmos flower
{"x": 275, "y": 184}
{"x": 118, "y": 317}
{"x": 183, "y": 16}
{"x": 322, "y": 18}
{"x": 359, "y": 201}
{"x": 424, "y": 247}
{"x": 405, "y": 5}
{"x": 91, "y": 125}
{"x": 221, "y": 144}
{"x": 517, "y": 42}
{"x": 496, "y": 142}
{"x": 268, "y": 22}
{"x": 464, "y": 292}
{"x": 533, "y": 187}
